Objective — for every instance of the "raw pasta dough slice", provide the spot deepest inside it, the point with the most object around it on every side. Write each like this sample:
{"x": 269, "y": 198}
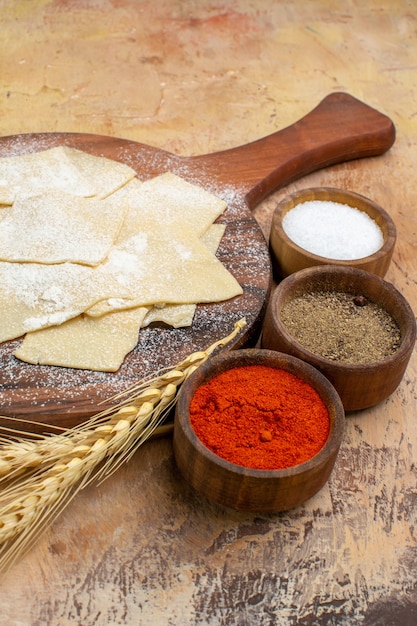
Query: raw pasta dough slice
{"x": 181, "y": 315}
{"x": 165, "y": 264}
{"x": 64, "y": 168}
{"x": 170, "y": 198}
{"x": 175, "y": 315}
{"x": 55, "y": 227}
{"x": 104, "y": 176}
{"x": 85, "y": 343}
{"x": 34, "y": 296}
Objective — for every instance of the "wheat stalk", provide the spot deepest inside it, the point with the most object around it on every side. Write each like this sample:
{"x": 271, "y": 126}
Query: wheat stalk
{"x": 41, "y": 476}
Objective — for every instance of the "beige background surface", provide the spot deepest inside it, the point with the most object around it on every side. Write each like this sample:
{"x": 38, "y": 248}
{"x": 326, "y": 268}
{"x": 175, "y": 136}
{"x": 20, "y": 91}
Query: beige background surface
{"x": 197, "y": 77}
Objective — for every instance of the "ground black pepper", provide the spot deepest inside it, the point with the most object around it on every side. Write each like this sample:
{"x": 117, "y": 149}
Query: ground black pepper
{"x": 341, "y": 326}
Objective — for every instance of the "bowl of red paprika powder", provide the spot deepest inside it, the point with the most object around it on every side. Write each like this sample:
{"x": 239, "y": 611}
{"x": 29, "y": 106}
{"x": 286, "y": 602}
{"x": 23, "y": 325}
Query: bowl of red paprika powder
{"x": 257, "y": 430}
{"x": 353, "y": 326}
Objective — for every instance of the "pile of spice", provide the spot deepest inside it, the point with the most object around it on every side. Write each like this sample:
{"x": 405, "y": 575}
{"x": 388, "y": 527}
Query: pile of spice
{"x": 260, "y": 417}
{"x": 333, "y": 230}
{"x": 341, "y": 326}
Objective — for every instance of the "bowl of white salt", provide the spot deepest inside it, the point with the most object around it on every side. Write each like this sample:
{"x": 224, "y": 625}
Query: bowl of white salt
{"x": 325, "y": 225}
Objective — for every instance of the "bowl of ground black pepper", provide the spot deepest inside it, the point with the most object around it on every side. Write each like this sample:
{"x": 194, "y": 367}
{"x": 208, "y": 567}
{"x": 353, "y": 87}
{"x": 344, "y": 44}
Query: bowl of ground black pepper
{"x": 326, "y": 225}
{"x": 353, "y": 326}
{"x": 256, "y": 430}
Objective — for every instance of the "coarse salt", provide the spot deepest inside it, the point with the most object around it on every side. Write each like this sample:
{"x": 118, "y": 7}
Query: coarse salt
{"x": 333, "y": 230}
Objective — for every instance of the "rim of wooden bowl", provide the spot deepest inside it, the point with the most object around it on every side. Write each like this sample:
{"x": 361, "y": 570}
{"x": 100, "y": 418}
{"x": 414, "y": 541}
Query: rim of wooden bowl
{"x": 293, "y": 285}
{"x": 360, "y": 385}
{"x": 378, "y": 262}
{"x": 323, "y": 461}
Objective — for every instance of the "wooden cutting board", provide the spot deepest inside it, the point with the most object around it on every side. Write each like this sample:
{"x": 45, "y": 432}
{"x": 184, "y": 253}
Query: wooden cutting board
{"x": 340, "y": 128}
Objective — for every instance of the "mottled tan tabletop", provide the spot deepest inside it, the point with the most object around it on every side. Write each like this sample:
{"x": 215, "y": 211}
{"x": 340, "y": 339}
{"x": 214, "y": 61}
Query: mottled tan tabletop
{"x": 193, "y": 78}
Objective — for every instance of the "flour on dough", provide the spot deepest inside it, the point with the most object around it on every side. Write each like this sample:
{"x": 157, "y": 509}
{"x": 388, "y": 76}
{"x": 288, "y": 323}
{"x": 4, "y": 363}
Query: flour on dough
{"x": 85, "y": 343}
{"x": 34, "y": 295}
{"x": 165, "y": 264}
{"x": 182, "y": 315}
{"x": 53, "y": 226}
{"x": 91, "y": 254}
{"x": 170, "y": 198}
{"x": 64, "y": 168}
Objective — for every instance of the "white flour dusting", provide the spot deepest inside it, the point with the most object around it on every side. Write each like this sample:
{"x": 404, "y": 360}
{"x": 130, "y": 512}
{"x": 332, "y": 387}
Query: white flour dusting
{"x": 243, "y": 251}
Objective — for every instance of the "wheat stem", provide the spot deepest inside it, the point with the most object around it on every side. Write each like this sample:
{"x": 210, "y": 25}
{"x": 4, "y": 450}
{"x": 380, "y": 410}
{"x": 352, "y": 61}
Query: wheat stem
{"x": 41, "y": 476}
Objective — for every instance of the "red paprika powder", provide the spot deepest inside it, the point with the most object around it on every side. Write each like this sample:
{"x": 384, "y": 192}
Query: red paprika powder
{"x": 260, "y": 417}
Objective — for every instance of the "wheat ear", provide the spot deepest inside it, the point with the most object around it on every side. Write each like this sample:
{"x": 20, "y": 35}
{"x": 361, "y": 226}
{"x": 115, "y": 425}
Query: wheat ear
{"x": 40, "y": 477}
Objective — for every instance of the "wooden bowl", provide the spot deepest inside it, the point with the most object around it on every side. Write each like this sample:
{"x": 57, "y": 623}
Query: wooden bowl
{"x": 288, "y": 257}
{"x": 242, "y": 488}
{"x": 359, "y": 385}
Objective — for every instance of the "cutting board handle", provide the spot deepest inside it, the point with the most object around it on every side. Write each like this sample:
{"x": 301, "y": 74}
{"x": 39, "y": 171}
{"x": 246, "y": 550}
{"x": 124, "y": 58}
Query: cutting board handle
{"x": 340, "y": 128}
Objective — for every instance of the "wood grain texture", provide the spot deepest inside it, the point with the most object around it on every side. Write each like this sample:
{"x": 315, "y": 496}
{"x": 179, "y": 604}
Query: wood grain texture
{"x": 340, "y": 128}
{"x": 195, "y": 78}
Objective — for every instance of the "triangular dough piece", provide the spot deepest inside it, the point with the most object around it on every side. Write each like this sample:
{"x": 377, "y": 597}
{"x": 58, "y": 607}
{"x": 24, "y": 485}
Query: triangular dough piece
{"x": 175, "y": 315}
{"x": 170, "y": 198}
{"x": 104, "y": 176}
{"x": 187, "y": 272}
{"x": 85, "y": 343}
{"x": 55, "y": 227}
{"x": 181, "y": 315}
{"x": 64, "y": 168}
{"x": 34, "y": 296}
